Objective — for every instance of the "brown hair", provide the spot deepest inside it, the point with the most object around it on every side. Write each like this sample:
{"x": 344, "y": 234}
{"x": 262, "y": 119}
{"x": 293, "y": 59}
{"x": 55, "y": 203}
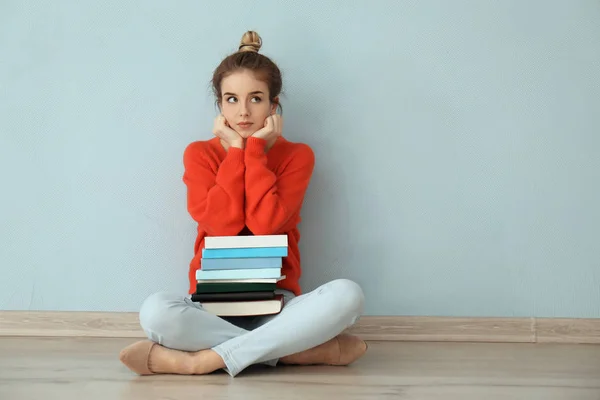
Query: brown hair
{"x": 248, "y": 57}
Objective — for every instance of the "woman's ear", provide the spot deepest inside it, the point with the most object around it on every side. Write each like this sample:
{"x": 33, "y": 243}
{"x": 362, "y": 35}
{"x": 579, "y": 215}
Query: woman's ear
{"x": 274, "y": 105}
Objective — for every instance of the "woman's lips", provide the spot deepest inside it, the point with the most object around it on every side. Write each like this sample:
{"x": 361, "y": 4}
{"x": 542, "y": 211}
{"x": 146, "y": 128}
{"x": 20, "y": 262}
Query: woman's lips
{"x": 244, "y": 125}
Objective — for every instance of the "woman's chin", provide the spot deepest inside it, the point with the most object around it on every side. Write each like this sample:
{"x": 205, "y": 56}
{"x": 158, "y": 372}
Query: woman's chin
{"x": 246, "y": 134}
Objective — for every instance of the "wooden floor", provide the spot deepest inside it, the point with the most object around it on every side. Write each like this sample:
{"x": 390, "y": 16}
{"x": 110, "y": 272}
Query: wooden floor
{"x": 88, "y": 368}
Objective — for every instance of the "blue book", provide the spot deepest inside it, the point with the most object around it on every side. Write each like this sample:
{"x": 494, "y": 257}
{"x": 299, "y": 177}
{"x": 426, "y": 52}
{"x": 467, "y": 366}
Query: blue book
{"x": 262, "y": 273}
{"x": 254, "y": 252}
{"x": 241, "y": 263}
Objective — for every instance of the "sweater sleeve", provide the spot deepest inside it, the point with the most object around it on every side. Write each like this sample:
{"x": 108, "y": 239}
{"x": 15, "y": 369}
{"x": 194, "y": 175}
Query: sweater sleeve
{"x": 272, "y": 200}
{"x": 215, "y": 199}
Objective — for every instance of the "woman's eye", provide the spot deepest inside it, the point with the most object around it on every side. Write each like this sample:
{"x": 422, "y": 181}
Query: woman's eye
{"x": 231, "y": 99}
{"x": 256, "y": 99}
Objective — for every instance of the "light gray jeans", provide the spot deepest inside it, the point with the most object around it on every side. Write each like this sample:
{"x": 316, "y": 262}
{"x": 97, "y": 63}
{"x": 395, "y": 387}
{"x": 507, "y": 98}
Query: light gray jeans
{"x": 306, "y": 321}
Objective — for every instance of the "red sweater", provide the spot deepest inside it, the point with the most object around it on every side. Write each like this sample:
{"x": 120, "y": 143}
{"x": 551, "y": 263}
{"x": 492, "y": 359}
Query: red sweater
{"x": 248, "y": 192}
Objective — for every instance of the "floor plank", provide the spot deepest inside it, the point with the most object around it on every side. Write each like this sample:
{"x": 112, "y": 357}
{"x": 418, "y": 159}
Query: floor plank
{"x": 76, "y": 368}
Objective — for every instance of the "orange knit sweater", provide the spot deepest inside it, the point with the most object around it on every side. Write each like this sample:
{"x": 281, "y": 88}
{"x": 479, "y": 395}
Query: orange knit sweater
{"x": 248, "y": 192}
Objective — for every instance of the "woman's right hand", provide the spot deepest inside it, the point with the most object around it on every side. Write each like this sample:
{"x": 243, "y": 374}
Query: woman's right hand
{"x": 225, "y": 133}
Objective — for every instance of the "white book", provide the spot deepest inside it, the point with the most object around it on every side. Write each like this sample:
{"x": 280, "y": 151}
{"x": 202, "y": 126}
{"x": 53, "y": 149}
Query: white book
{"x": 244, "y": 242}
{"x": 261, "y": 280}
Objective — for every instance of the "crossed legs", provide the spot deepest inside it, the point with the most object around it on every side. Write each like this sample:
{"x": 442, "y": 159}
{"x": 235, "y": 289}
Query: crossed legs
{"x": 185, "y": 339}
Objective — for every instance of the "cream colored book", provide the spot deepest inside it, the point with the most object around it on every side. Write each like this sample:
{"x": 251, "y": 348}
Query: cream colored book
{"x": 244, "y": 308}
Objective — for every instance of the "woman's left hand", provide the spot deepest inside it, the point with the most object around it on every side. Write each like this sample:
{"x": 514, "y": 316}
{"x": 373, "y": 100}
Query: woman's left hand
{"x": 272, "y": 129}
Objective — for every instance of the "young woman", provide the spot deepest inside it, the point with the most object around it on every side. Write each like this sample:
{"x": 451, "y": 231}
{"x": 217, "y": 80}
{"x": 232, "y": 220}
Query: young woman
{"x": 248, "y": 180}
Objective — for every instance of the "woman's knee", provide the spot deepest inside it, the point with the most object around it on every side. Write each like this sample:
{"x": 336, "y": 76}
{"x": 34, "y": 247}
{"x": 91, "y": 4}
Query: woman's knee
{"x": 349, "y": 297}
{"x": 154, "y": 314}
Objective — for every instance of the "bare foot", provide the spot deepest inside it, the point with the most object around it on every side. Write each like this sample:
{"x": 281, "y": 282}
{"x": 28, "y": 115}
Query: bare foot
{"x": 343, "y": 349}
{"x": 146, "y": 357}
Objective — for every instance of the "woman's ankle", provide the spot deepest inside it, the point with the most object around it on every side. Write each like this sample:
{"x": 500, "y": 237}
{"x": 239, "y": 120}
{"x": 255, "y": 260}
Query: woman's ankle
{"x": 343, "y": 349}
{"x": 206, "y": 361}
{"x": 201, "y": 362}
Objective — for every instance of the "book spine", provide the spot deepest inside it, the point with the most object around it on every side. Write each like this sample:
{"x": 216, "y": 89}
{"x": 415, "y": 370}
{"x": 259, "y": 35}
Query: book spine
{"x": 232, "y": 242}
{"x": 239, "y": 296}
{"x": 234, "y": 287}
{"x": 258, "y": 252}
{"x": 209, "y": 264}
{"x": 264, "y": 273}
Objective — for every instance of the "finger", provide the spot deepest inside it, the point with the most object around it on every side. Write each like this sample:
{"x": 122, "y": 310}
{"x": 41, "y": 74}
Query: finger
{"x": 277, "y": 124}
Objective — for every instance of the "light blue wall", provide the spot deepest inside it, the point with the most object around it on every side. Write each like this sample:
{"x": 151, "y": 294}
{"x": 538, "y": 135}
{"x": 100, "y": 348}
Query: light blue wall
{"x": 457, "y": 144}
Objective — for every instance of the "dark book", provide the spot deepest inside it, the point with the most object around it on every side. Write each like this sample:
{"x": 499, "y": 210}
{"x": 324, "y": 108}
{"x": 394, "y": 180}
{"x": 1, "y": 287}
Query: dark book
{"x": 239, "y": 296}
{"x": 234, "y": 287}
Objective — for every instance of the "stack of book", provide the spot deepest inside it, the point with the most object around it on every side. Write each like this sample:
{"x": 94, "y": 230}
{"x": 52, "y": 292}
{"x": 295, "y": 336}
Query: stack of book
{"x": 239, "y": 275}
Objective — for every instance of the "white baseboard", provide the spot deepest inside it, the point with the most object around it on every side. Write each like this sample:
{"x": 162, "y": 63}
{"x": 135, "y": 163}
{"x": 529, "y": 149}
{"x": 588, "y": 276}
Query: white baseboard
{"x": 385, "y": 328}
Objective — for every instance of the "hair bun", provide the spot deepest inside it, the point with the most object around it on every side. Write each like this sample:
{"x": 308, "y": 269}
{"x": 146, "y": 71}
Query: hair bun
{"x": 251, "y": 41}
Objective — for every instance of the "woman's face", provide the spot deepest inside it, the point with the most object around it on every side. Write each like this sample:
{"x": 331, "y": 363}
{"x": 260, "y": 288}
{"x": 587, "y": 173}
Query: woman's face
{"x": 245, "y": 102}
